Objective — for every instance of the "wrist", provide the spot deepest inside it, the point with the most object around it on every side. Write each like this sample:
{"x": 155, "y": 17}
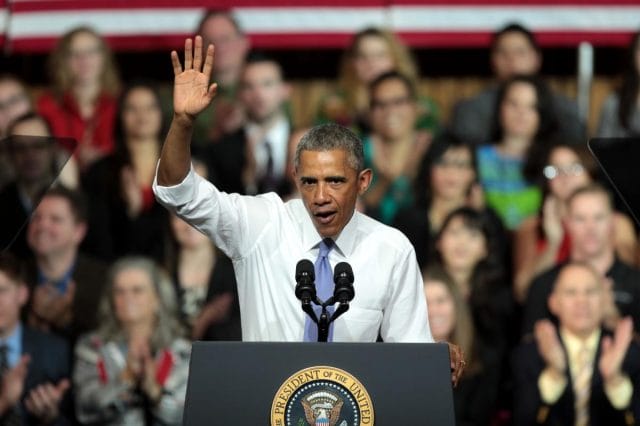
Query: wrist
{"x": 555, "y": 372}
{"x": 183, "y": 120}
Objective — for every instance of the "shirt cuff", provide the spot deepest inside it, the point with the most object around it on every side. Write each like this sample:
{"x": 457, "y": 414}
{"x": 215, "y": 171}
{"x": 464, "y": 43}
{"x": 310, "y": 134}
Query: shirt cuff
{"x": 176, "y": 195}
{"x": 619, "y": 393}
{"x": 551, "y": 386}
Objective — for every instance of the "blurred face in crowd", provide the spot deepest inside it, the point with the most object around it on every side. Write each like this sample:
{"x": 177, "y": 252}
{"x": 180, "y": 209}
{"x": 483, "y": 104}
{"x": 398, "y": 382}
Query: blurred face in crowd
{"x": 372, "y": 58}
{"x": 393, "y": 111}
{"x": 135, "y": 300}
{"x": 453, "y": 174}
{"x": 329, "y": 187}
{"x": 565, "y": 172}
{"x": 590, "y": 225}
{"x": 53, "y": 227}
{"x": 186, "y": 235}
{"x": 262, "y": 91}
{"x": 32, "y": 158}
{"x": 231, "y": 46}
{"x": 141, "y": 114}
{"x": 577, "y": 300}
{"x": 518, "y": 112}
{"x": 461, "y": 246}
{"x": 13, "y": 296}
{"x": 513, "y": 54}
{"x": 85, "y": 58}
{"x": 14, "y": 102}
{"x": 442, "y": 309}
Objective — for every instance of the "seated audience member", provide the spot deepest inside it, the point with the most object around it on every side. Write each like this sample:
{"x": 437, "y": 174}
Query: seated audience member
{"x": 124, "y": 217}
{"x": 33, "y": 161}
{"x": 205, "y": 285}
{"x": 542, "y": 241}
{"x": 620, "y": 114}
{"x": 34, "y": 366}
{"x": 372, "y": 52}
{"x": 253, "y": 159}
{"x": 450, "y": 320}
{"x": 65, "y": 284}
{"x": 590, "y": 225}
{"x": 446, "y": 181}
{"x": 225, "y": 114}
{"x": 394, "y": 149}
{"x": 82, "y": 102}
{"x": 14, "y": 103}
{"x": 514, "y": 51}
{"x": 467, "y": 252}
{"x": 133, "y": 369}
{"x": 578, "y": 373}
{"x": 524, "y": 126}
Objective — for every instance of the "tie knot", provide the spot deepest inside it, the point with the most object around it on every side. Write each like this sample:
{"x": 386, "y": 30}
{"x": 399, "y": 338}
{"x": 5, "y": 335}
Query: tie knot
{"x": 325, "y": 247}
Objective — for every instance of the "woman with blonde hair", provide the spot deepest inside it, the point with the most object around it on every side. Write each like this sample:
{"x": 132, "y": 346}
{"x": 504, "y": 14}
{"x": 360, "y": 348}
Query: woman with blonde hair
{"x": 371, "y": 53}
{"x": 82, "y": 102}
{"x": 133, "y": 369}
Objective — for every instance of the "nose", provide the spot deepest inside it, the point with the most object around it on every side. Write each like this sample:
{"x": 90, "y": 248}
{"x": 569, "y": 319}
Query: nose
{"x": 321, "y": 196}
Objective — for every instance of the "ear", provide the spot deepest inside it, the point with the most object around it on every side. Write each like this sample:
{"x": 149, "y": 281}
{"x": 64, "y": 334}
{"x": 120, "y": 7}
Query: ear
{"x": 23, "y": 294}
{"x": 364, "y": 180}
{"x": 80, "y": 232}
{"x": 552, "y": 303}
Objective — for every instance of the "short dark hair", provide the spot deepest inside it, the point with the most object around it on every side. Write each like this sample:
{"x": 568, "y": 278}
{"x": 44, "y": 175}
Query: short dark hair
{"x": 11, "y": 267}
{"x": 514, "y": 27}
{"x": 225, "y": 13}
{"x": 326, "y": 137}
{"x": 76, "y": 200}
{"x": 259, "y": 57}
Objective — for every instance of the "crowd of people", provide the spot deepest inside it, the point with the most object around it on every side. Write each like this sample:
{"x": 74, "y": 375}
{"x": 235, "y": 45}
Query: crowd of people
{"x": 528, "y": 264}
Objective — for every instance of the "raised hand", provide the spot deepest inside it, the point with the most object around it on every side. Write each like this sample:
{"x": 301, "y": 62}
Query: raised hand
{"x": 549, "y": 346}
{"x": 191, "y": 89}
{"x": 458, "y": 364}
{"x": 614, "y": 350}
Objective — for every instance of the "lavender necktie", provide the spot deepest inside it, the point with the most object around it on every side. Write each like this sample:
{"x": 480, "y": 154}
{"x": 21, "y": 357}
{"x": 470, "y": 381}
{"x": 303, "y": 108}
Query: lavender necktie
{"x": 324, "y": 290}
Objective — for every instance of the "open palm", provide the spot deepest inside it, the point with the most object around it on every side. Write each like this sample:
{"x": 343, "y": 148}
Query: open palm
{"x": 191, "y": 90}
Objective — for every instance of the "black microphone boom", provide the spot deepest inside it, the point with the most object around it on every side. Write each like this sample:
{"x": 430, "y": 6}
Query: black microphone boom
{"x": 343, "y": 278}
{"x": 305, "y": 281}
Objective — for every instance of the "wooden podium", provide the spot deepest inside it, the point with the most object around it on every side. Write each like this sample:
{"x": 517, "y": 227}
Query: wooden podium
{"x": 341, "y": 384}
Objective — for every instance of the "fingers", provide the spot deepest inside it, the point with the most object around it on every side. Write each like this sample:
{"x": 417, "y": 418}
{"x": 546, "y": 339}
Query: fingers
{"x": 188, "y": 54}
{"x": 63, "y": 386}
{"x": 606, "y": 344}
{"x": 212, "y": 90}
{"x": 624, "y": 333}
{"x": 208, "y": 62}
{"x": 197, "y": 54}
{"x": 175, "y": 61}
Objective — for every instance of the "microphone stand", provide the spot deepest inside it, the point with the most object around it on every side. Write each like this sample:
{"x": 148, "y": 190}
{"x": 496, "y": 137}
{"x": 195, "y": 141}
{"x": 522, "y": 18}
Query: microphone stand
{"x": 324, "y": 321}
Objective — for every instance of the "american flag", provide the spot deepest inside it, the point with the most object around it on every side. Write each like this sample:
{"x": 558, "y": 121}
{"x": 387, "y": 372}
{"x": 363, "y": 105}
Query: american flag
{"x": 34, "y": 25}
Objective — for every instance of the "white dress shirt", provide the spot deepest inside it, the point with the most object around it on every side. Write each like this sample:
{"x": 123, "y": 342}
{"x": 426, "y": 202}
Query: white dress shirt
{"x": 278, "y": 137}
{"x": 266, "y": 237}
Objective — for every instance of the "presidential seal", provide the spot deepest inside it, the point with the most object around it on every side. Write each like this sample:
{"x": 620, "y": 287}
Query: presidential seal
{"x": 324, "y": 396}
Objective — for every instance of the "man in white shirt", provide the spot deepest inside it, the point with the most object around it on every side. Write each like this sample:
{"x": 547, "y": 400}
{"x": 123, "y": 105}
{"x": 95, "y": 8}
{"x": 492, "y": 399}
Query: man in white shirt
{"x": 266, "y": 237}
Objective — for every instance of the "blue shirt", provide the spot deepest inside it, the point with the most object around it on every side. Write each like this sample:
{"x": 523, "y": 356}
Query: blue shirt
{"x": 14, "y": 345}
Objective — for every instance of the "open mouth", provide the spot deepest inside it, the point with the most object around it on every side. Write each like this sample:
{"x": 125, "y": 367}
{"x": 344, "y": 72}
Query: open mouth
{"x": 325, "y": 217}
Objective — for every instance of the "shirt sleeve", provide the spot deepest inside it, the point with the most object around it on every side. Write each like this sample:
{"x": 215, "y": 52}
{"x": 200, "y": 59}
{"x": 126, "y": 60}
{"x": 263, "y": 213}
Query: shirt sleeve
{"x": 619, "y": 393}
{"x": 234, "y": 222}
{"x": 405, "y": 318}
{"x": 551, "y": 386}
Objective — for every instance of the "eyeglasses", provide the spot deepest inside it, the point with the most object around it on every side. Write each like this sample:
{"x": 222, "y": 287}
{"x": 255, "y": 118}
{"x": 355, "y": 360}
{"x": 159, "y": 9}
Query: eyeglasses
{"x": 552, "y": 172}
{"x": 394, "y": 102}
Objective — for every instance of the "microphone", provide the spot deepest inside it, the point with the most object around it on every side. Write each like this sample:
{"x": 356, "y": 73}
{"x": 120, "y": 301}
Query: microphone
{"x": 305, "y": 281}
{"x": 343, "y": 278}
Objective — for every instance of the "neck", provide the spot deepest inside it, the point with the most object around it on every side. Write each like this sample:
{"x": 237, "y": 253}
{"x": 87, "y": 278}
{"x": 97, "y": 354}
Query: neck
{"x": 601, "y": 262}
{"x": 56, "y": 264}
{"x": 226, "y": 78}
{"x": 514, "y": 146}
{"x": 580, "y": 334}
{"x": 441, "y": 207}
{"x": 462, "y": 278}
{"x": 399, "y": 141}
{"x": 269, "y": 122}
{"x": 6, "y": 332}
{"x": 143, "y": 148}
{"x": 139, "y": 331}
{"x": 200, "y": 255}
{"x": 86, "y": 92}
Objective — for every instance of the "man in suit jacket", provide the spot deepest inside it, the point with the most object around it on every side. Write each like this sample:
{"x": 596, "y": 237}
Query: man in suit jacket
{"x": 66, "y": 285}
{"x": 253, "y": 159}
{"x": 577, "y": 373}
{"x": 34, "y": 384}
